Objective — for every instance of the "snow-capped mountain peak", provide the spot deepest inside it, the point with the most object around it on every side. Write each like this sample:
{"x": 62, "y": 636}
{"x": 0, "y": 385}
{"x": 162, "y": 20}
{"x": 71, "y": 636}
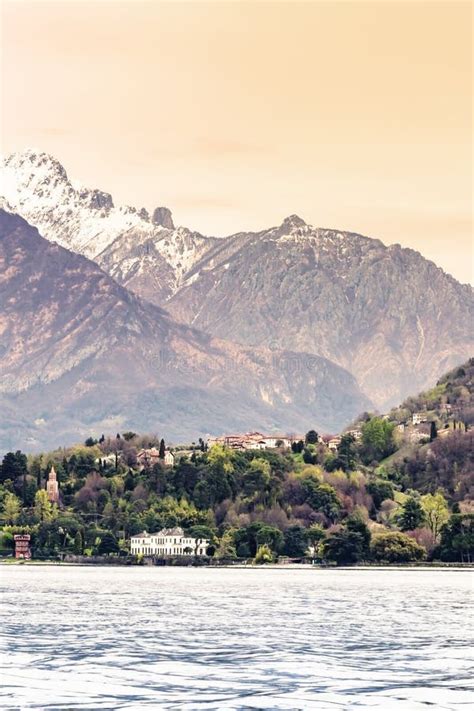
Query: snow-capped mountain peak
{"x": 86, "y": 220}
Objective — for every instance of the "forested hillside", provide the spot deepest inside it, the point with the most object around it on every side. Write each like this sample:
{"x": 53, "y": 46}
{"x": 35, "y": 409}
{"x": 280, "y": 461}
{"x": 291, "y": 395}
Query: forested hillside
{"x": 391, "y": 491}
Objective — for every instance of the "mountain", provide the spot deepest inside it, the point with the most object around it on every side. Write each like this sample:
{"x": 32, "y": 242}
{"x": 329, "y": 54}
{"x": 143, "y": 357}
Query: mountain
{"x": 81, "y": 354}
{"x": 141, "y": 251}
{"x": 386, "y": 314}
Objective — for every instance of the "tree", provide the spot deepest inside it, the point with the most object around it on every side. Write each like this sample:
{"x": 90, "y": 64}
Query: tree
{"x": 43, "y": 507}
{"x": 308, "y": 456}
{"x": 295, "y": 542}
{"x": 377, "y": 439}
{"x": 380, "y": 491}
{"x": 433, "y": 431}
{"x": 311, "y": 437}
{"x": 343, "y": 547}
{"x": 200, "y": 533}
{"x": 457, "y": 538}
{"x": 297, "y": 447}
{"x": 78, "y": 543}
{"x": 14, "y": 466}
{"x": 128, "y": 436}
{"x": 263, "y": 555}
{"x": 322, "y": 497}
{"x": 256, "y": 480}
{"x": 316, "y": 536}
{"x": 35, "y": 471}
{"x": 221, "y": 458}
{"x": 346, "y": 453}
{"x": 271, "y": 537}
{"x": 11, "y": 508}
{"x": 90, "y": 442}
{"x": 162, "y": 449}
{"x": 108, "y": 543}
{"x": 412, "y": 515}
{"x": 396, "y": 547}
{"x": 226, "y": 547}
{"x": 355, "y": 524}
{"x": 350, "y": 544}
{"x": 436, "y": 513}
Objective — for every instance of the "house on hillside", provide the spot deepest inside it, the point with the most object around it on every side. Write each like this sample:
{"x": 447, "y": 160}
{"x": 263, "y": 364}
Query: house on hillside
{"x": 147, "y": 458}
{"x": 357, "y": 434}
{"x": 167, "y": 542}
{"x": 254, "y": 440}
{"x": 418, "y": 434}
{"x": 418, "y": 417}
{"x": 334, "y": 443}
{"x": 169, "y": 458}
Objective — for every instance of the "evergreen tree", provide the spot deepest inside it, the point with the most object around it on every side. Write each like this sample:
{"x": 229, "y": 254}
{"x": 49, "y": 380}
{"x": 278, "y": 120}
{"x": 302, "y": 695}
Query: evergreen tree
{"x": 433, "y": 431}
{"x": 412, "y": 515}
{"x": 346, "y": 452}
{"x": 296, "y": 542}
{"x": 311, "y": 437}
{"x": 162, "y": 449}
{"x": 14, "y": 465}
{"x": 78, "y": 543}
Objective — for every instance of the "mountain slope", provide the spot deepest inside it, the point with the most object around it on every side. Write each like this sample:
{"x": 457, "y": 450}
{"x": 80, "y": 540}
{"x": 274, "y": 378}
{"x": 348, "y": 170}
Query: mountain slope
{"x": 388, "y": 315}
{"x": 81, "y": 354}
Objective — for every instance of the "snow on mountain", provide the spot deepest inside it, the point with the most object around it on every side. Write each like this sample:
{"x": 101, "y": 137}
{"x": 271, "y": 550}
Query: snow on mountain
{"x": 122, "y": 239}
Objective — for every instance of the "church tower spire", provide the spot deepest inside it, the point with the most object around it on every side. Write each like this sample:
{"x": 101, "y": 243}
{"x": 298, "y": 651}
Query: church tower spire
{"x": 52, "y": 487}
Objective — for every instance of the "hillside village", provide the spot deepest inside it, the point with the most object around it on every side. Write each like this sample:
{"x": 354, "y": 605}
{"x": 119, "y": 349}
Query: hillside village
{"x": 390, "y": 488}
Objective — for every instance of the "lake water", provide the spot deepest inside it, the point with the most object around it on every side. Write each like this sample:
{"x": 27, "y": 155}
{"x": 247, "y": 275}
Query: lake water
{"x": 179, "y": 638}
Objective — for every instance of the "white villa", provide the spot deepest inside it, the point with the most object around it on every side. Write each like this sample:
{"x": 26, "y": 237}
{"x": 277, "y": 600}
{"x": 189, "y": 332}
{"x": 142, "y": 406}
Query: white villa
{"x": 167, "y": 542}
{"x": 419, "y": 417}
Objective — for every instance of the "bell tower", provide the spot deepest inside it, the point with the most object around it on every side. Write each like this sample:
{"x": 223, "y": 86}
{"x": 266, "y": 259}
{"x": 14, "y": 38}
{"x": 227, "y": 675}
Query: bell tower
{"x": 52, "y": 487}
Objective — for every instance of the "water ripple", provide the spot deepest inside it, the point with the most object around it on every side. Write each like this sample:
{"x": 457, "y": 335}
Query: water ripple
{"x": 189, "y": 639}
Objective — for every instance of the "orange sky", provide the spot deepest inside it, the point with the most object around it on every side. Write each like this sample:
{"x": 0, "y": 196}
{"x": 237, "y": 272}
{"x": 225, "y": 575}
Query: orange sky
{"x": 235, "y": 114}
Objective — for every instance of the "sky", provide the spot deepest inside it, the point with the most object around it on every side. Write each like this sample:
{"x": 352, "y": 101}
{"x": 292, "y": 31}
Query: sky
{"x": 353, "y": 115}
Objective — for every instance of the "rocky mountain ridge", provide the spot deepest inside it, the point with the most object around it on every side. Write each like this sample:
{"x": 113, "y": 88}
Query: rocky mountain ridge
{"x": 386, "y": 314}
{"x": 81, "y": 353}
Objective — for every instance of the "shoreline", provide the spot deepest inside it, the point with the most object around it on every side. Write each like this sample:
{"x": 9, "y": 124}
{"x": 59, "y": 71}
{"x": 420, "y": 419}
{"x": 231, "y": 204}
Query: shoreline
{"x": 440, "y": 566}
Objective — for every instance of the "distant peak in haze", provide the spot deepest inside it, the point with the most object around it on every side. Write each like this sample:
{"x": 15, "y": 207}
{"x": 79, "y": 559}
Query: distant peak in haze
{"x": 293, "y": 221}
